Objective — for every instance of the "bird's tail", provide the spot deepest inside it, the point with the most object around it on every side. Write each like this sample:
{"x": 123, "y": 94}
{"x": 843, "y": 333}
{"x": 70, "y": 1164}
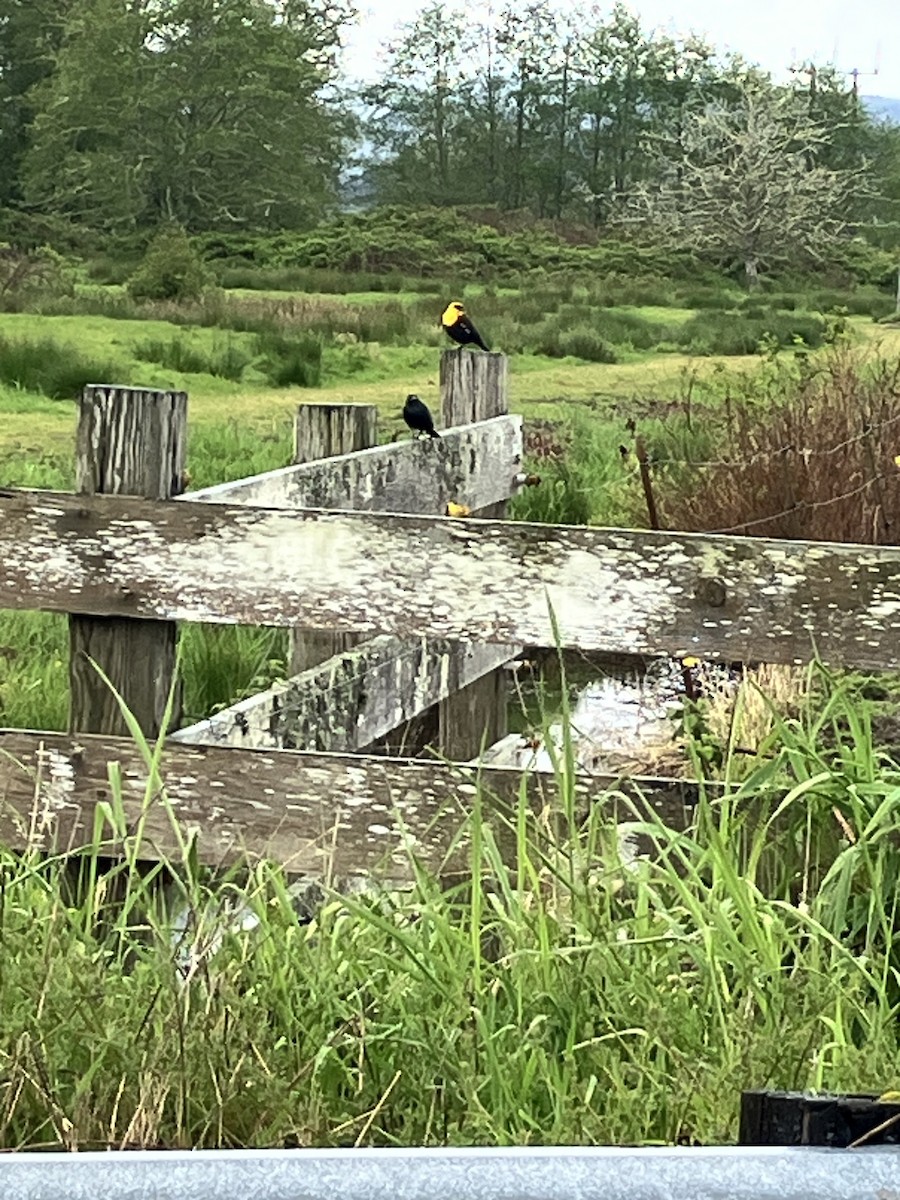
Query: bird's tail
{"x": 481, "y": 343}
{"x": 433, "y": 433}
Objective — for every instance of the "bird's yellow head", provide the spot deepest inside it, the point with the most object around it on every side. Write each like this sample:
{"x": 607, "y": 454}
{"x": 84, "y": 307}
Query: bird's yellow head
{"x": 452, "y": 313}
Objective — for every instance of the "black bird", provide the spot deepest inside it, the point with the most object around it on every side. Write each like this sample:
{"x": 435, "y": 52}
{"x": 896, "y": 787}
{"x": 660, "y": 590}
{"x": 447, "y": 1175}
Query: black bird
{"x": 418, "y": 418}
{"x": 459, "y": 328}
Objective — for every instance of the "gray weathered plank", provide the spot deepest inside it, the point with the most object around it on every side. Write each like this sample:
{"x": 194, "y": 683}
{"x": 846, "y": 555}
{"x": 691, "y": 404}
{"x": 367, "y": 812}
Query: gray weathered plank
{"x": 314, "y": 813}
{"x": 474, "y": 465}
{"x": 370, "y": 690}
{"x": 490, "y": 581}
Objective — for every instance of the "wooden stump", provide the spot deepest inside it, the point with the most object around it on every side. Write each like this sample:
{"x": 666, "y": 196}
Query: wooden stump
{"x": 474, "y": 388}
{"x": 130, "y": 441}
{"x": 325, "y": 431}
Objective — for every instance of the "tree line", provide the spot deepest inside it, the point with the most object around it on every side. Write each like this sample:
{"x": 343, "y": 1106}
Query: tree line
{"x": 523, "y": 107}
{"x": 234, "y": 115}
{"x": 119, "y": 114}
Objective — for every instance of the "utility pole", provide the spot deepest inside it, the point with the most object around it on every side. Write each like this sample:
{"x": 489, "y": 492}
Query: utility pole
{"x": 855, "y": 74}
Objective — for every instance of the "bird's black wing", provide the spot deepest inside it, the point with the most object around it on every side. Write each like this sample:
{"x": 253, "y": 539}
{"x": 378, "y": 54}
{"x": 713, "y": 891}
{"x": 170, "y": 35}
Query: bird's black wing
{"x": 472, "y": 334}
{"x": 417, "y": 415}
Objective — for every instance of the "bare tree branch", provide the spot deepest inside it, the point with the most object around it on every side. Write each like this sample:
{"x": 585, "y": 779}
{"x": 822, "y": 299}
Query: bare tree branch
{"x": 747, "y": 185}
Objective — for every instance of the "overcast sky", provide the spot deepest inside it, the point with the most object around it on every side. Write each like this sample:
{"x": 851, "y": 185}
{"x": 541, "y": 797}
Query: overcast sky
{"x": 851, "y": 33}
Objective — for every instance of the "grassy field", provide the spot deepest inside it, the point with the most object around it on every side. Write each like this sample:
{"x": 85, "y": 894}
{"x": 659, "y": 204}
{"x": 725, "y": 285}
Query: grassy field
{"x": 576, "y": 999}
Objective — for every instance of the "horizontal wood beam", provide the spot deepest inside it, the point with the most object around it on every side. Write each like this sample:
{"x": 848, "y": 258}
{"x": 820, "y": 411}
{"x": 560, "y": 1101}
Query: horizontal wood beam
{"x": 313, "y": 813}
{"x": 473, "y": 465}
{"x": 370, "y": 690}
{"x": 617, "y": 590}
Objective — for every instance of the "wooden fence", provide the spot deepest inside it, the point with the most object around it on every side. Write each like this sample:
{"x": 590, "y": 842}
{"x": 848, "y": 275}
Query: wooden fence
{"x": 401, "y": 614}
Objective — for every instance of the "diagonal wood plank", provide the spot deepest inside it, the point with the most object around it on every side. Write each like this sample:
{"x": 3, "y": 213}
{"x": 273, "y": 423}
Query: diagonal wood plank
{"x": 311, "y": 812}
{"x": 466, "y": 464}
{"x": 610, "y": 589}
{"x": 371, "y": 689}
{"x": 475, "y": 465}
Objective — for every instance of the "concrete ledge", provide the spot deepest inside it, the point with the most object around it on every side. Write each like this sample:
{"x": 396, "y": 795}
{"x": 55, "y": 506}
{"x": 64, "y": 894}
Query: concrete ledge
{"x": 552, "y": 1173}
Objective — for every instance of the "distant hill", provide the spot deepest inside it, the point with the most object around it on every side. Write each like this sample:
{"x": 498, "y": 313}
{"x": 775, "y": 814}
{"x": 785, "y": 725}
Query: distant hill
{"x": 886, "y": 107}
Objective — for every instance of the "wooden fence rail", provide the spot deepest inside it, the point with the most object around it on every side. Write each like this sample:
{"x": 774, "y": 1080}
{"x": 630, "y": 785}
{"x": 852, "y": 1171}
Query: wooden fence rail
{"x": 352, "y": 699}
{"x": 314, "y": 813}
{"x": 465, "y": 580}
{"x": 472, "y": 465}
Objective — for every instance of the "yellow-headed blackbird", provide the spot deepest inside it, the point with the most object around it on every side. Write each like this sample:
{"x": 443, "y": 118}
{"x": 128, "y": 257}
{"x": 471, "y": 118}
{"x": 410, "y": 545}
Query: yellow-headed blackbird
{"x": 459, "y": 328}
{"x": 418, "y": 418}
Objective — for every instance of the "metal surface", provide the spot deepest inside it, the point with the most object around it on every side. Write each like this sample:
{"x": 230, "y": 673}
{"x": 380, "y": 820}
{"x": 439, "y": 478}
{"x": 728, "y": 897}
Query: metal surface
{"x": 709, "y": 1173}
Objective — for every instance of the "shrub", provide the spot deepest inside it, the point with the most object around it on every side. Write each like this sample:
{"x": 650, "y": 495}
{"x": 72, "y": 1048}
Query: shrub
{"x": 781, "y": 301}
{"x": 291, "y": 361}
{"x": 793, "y": 458}
{"x": 442, "y": 243}
{"x": 171, "y": 269}
{"x": 706, "y": 296}
{"x": 631, "y": 329}
{"x": 58, "y": 371}
{"x": 741, "y": 333}
{"x": 226, "y": 361}
{"x": 861, "y": 302}
{"x": 108, "y": 269}
{"x": 30, "y": 273}
{"x": 585, "y": 342}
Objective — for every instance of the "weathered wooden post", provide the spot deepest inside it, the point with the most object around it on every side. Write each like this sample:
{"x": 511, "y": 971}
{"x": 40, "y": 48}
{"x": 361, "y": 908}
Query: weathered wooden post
{"x": 130, "y": 441}
{"x": 473, "y": 388}
{"x": 325, "y": 431}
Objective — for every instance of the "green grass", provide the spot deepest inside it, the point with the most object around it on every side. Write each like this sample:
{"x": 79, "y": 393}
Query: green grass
{"x": 570, "y": 1000}
{"x": 220, "y": 666}
{"x": 223, "y": 664}
{"x": 584, "y": 478}
{"x": 34, "y": 670}
{"x": 57, "y": 372}
{"x": 225, "y": 361}
{"x": 233, "y": 450}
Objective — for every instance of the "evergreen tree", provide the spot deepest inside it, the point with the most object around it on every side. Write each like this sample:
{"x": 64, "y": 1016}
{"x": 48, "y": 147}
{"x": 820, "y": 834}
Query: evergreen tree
{"x": 208, "y": 112}
{"x": 30, "y": 34}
